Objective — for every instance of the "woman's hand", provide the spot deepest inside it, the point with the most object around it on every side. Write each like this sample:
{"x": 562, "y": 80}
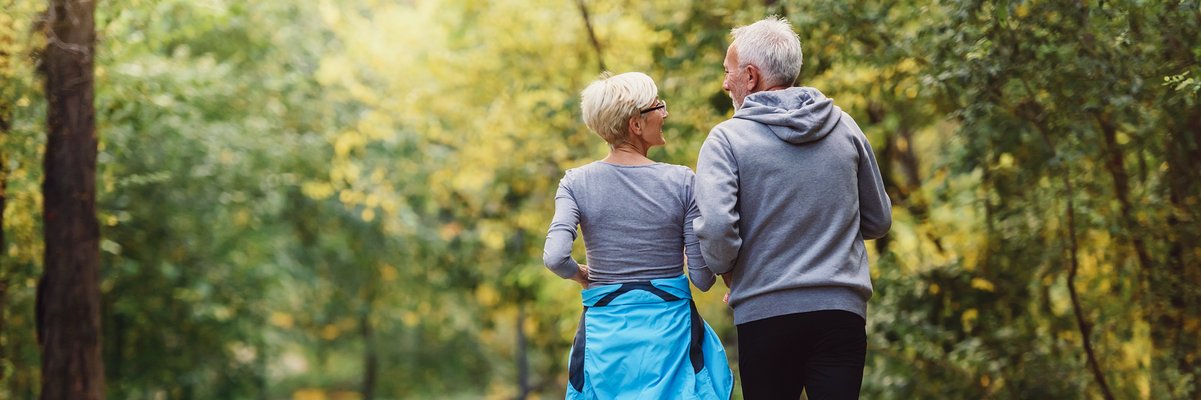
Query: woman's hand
{"x": 581, "y": 277}
{"x": 728, "y": 278}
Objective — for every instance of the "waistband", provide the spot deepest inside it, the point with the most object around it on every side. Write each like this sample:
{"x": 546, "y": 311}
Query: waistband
{"x": 641, "y": 292}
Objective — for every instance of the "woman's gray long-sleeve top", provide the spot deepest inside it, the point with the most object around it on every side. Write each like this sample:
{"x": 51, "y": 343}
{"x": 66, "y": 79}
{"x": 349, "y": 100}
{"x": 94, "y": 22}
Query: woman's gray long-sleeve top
{"x": 636, "y": 221}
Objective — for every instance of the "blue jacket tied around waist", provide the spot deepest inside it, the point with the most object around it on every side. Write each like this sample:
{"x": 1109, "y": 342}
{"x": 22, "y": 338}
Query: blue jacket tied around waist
{"x": 645, "y": 340}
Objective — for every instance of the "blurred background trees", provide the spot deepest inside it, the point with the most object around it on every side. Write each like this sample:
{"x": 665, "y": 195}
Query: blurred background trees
{"x": 347, "y": 198}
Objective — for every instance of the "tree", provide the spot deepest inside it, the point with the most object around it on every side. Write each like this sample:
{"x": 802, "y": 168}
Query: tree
{"x": 69, "y": 291}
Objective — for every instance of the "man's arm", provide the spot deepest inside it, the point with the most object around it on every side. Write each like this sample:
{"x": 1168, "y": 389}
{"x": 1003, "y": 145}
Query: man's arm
{"x": 717, "y": 200}
{"x": 875, "y": 209}
{"x": 698, "y": 271}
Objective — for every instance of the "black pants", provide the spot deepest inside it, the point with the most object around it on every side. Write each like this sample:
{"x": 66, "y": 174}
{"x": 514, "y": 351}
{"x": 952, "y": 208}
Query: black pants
{"x": 820, "y": 352}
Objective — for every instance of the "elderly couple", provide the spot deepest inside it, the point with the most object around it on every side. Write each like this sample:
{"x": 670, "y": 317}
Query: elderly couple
{"x": 784, "y": 194}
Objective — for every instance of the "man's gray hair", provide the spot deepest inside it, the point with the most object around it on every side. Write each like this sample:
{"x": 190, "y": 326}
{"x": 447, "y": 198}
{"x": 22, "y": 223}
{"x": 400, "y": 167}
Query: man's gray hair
{"x": 773, "y": 47}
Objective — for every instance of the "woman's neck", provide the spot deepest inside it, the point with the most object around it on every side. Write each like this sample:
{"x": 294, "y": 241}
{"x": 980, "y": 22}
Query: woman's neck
{"x": 628, "y": 154}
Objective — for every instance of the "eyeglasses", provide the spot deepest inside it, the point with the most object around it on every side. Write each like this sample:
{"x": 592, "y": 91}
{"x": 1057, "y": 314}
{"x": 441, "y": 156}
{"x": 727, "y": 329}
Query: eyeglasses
{"x": 659, "y": 105}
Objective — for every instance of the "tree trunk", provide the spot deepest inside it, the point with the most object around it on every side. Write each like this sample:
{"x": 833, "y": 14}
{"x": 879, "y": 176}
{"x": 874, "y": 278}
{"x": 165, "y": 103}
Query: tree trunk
{"x": 69, "y": 290}
{"x": 1074, "y": 265}
{"x": 4, "y": 127}
{"x": 1116, "y": 164}
{"x": 523, "y": 364}
{"x": 1173, "y": 317}
{"x": 370, "y": 359}
{"x": 600, "y": 57}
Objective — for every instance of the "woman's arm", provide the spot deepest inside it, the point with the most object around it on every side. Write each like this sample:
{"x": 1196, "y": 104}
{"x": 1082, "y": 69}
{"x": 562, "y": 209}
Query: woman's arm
{"x": 556, "y": 253}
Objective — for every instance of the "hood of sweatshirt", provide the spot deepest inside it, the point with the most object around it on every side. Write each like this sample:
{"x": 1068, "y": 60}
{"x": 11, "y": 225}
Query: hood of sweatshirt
{"x": 796, "y": 115}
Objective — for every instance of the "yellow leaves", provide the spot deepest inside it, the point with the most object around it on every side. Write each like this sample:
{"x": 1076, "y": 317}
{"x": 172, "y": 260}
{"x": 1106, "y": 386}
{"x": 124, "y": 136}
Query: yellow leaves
{"x": 242, "y": 218}
{"x": 347, "y": 196}
{"x": 330, "y": 332}
{"x": 486, "y": 295}
{"x": 376, "y": 126}
{"x": 1122, "y": 138}
{"x": 409, "y": 318}
{"x": 1022, "y": 10}
{"x": 1043, "y": 96}
{"x": 321, "y": 394}
{"x": 388, "y": 273}
{"x": 968, "y": 318}
{"x": 317, "y": 190}
{"x": 343, "y": 144}
{"x": 1136, "y": 351}
{"x": 493, "y": 238}
{"x": 470, "y": 180}
{"x": 333, "y": 330}
{"x": 330, "y": 13}
{"x": 1005, "y": 160}
{"x": 983, "y": 284}
{"x": 1060, "y": 299}
{"x": 971, "y": 257}
{"x": 1053, "y": 17}
{"x": 372, "y": 200}
{"x": 282, "y": 320}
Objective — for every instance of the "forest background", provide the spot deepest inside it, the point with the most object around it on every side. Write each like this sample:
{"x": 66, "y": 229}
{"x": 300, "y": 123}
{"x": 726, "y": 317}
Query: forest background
{"x": 347, "y": 199}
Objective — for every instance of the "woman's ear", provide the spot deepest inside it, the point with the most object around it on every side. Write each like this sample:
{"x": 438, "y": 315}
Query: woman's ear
{"x": 634, "y": 125}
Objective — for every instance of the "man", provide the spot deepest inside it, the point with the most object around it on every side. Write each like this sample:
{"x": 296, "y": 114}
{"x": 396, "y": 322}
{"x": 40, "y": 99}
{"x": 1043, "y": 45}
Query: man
{"x": 788, "y": 189}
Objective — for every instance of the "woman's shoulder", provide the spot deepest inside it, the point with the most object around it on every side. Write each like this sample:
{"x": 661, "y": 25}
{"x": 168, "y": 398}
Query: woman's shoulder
{"x": 577, "y": 170}
{"x": 678, "y": 170}
{"x": 666, "y": 171}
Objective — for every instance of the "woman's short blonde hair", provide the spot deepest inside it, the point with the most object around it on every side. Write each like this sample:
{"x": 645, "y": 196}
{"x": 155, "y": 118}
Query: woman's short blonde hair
{"x": 610, "y": 101}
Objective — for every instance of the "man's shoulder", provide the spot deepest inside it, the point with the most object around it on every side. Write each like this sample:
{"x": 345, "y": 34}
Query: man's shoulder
{"x": 732, "y": 128}
{"x": 735, "y": 125}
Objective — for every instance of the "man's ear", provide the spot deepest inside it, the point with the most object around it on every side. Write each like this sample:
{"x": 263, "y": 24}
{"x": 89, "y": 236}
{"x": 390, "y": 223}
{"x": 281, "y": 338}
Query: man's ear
{"x": 753, "y": 77}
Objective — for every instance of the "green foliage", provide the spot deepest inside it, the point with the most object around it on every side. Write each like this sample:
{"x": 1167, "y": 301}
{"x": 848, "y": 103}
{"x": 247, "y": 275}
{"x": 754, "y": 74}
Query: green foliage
{"x": 22, "y": 137}
{"x": 348, "y": 196}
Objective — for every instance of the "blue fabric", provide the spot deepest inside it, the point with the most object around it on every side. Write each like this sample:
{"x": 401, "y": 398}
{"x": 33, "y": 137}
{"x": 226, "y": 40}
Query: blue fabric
{"x": 646, "y": 341}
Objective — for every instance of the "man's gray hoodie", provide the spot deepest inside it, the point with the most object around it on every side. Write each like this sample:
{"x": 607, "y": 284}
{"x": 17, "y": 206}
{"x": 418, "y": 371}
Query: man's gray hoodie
{"x": 788, "y": 190}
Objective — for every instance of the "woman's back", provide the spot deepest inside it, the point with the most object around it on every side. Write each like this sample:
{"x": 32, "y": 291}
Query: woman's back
{"x": 635, "y": 219}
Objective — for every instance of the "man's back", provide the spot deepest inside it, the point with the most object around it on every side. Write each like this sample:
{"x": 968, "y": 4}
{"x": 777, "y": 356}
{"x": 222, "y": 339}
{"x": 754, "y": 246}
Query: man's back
{"x": 788, "y": 190}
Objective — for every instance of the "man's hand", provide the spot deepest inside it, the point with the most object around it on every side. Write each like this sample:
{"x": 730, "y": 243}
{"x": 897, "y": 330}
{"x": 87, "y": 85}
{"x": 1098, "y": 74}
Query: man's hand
{"x": 581, "y": 277}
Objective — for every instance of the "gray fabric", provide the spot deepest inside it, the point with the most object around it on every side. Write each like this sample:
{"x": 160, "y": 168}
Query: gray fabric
{"x": 788, "y": 190}
{"x": 636, "y": 220}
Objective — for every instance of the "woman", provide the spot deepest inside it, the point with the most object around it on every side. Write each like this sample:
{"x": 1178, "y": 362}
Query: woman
{"x": 639, "y": 335}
